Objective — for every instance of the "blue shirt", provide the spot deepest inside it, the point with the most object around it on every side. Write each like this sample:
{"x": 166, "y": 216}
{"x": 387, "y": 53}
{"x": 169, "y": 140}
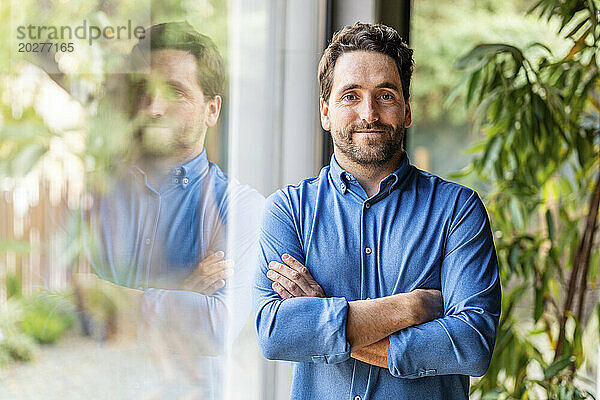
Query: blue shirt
{"x": 151, "y": 238}
{"x": 418, "y": 231}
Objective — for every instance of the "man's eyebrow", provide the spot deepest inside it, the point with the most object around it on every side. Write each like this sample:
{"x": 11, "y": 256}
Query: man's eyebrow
{"x": 387, "y": 85}
{"x": 350, "y": 87}
{"x": 177, "y": 85}
{"x": 383, "y": 85}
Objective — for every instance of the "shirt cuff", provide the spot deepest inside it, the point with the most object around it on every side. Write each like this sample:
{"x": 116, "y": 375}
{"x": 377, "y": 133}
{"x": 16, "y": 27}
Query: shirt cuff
{"x": 400, "y": 364}
{"x": 336, "y": 315}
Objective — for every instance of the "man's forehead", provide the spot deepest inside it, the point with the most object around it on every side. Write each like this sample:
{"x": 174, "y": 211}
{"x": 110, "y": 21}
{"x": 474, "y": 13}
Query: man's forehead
{"x": 174, "y": 65}
{"x": 364, "y": 69}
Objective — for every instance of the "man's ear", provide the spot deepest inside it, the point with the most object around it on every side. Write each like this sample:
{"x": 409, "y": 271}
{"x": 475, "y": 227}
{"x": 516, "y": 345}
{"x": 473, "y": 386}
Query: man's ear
{"x": 324, "y": 108}
{"x": 407, "y": 114}
{"x": 213, "y": 109}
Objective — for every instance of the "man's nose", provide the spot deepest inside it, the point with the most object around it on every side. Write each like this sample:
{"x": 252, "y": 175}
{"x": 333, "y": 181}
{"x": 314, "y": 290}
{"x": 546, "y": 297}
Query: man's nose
{"x": 157, "y": 106}
{"x": 368, "y": 111}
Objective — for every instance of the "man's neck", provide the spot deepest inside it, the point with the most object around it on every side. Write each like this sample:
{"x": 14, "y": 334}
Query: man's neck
{"x": 369, "y": 176}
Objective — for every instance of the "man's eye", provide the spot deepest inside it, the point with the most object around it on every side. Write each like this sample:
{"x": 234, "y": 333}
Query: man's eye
{"x": 387, "y": 96}
{"x": 349, "y": 97}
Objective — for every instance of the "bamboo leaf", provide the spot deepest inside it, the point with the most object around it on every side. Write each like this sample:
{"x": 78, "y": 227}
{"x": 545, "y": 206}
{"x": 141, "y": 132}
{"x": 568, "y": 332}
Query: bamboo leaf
{"x": 538, "y": 44}
{"x": 473, "y": 86}
{"x": 516, "y": 214}
{"x": 538, "y": 309}
{"x": 550, "y": 225}
{"x": 577, "y": 28}
{"x": 579, "y": 44}
{"x": 557, "y": 366}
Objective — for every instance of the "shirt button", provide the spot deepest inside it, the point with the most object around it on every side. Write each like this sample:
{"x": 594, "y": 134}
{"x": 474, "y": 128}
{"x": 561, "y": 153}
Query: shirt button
{"x": 342, "y": 186}
{"x": 357, "y": 397}
{"x": 368, "y": 250}
{"x": 367, "y": 205}
{"x": 185, "y": 180}
{"x": 176, "y": 180}
{"x": 147, "y": 240}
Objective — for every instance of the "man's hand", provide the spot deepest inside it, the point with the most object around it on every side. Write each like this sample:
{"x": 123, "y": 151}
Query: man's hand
{"x": 425, "y": 305}
{"x": 210, "y": 274}
{"x": 293, "y": 279}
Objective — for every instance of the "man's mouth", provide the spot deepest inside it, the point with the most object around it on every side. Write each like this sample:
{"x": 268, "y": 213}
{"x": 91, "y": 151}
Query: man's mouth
{"x": 369, "y": 131}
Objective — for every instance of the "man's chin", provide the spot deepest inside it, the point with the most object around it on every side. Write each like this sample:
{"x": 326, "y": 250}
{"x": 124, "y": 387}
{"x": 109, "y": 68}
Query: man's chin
{"x": 154, "y": 141}
{"x": 373, "y": 153}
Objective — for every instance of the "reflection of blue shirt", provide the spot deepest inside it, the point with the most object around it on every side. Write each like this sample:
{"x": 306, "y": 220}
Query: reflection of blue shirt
{"x": 156, "y": 236}
{"x": 152, "y": 238}
{"x": 418, "y": 231}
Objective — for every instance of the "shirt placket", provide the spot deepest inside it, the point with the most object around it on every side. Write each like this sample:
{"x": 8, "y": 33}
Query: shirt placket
{"x": 151, "y": 217}
{"x": 367, "y": 256}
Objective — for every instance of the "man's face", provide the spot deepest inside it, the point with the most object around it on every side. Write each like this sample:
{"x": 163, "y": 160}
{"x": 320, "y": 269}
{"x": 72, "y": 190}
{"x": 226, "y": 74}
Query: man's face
{"x": 173, "y": 112}
{"x": 366, "y": 112}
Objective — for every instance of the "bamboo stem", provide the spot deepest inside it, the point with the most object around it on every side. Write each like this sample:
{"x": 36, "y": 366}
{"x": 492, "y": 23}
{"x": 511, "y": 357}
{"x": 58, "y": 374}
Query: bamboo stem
{"x": 581, "y": 261}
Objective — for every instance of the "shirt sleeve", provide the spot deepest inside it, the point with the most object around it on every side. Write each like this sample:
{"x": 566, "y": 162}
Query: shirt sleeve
{"x": 462, "y": 341}
{"x": 196, "y": 321}
{"x": 217, "y": 320}
{"x": 302, "y": 329}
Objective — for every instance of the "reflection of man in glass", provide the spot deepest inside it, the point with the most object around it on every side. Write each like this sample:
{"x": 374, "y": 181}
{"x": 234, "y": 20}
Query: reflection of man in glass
{"x": 173, "y": 220}
{"x": 345, "y": 256}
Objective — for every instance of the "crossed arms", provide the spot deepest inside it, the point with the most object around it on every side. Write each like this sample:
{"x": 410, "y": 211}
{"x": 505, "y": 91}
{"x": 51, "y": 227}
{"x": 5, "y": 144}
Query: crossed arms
{"x": 369, "y": 322}
{"x": 298, "y": 323}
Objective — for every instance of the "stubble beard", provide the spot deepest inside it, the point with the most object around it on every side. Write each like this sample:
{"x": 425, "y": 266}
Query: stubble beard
{"x": 166, "y": 142}
{"x": 373, "y": 151}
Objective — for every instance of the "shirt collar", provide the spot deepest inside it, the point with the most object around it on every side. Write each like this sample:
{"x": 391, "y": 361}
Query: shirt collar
{"x": 341, "y": 177}
{"x": 180, "y": 175}
{"x": 194, "y": 168}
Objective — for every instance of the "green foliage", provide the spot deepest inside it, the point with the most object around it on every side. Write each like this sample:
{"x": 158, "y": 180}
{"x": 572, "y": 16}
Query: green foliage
{"x": 440, "y": 36}
{"x": 540, "y": 115}
{"x": 46, "y": 317}
{"x": 14, "y": 344}
{"x": 13, "y": 285}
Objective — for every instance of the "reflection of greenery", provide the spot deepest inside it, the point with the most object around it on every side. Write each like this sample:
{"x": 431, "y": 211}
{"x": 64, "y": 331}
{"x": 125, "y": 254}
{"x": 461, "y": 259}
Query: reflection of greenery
{"x": 43, "y": 318}
{"x": 87, "y": 124}
{"x": 540, "y": 114}
{"x": 14, "y": 344}
{"x": 13, "y": 286}
{"x": 46, "y": 317}
{"x": 15, "y": 246}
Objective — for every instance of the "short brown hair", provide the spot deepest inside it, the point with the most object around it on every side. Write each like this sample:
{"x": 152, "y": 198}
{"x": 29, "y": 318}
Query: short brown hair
{"x": 182, "y": 36}
{"x": 366, "y": 37}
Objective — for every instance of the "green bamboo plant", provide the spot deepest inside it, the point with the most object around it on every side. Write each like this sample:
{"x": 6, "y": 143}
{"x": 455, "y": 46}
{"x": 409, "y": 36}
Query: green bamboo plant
{"x": 539, "y": 114}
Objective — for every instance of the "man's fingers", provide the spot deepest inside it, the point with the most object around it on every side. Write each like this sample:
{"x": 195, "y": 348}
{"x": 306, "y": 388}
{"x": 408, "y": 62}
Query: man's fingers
{"x": 216, "y": 267}
{"x": 213, "y": 257}
{"x": 209, "y": 291}
{"x": 292, "y": 287}
{"x": 204, "y": 283}
{"x": 293, "y": 276}
{"x": 281, "y": 291}
{"x": 311, "y": 288}
{"x": 295, "y": 265}
{"x": 203, "y": 271}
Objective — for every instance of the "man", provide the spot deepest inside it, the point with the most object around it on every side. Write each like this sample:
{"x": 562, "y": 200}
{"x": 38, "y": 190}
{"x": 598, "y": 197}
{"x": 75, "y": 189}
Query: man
{"x": 174, "y": 220}
{"x": 344, "y": 257}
